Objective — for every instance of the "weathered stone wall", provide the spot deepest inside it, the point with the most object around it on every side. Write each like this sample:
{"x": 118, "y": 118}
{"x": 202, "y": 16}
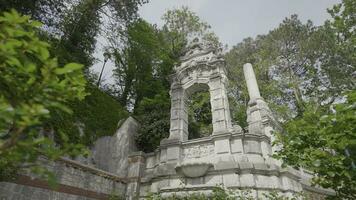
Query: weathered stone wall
{"x": 110, "y": 153}
{"x": 9, "y": 191}
{"x": 75, "y": 181}
{"x": 100, "y": 176}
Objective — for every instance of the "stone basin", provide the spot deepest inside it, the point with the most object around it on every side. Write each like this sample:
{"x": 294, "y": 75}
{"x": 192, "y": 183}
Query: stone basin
{"x": 193, "y": 169}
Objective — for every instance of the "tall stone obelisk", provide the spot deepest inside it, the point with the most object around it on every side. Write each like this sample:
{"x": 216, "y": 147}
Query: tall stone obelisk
{"x": 259, "y": 117}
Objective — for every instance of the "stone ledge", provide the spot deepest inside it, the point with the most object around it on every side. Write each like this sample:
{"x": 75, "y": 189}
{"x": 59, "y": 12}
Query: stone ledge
{"x": 170, "y": 142}
{"x": 256, "y": 137}
{"x": 61, "y": 188}
{"x": 204, "y": 187}
{"x": 318, "y": 190}
{"x": 92, "y": 170}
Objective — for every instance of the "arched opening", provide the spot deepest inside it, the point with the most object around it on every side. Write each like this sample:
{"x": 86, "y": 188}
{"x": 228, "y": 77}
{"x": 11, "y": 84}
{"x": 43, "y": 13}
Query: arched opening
{"x": 199, "y": 111}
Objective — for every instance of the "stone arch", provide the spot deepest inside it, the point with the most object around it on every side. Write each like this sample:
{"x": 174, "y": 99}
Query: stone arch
{"x": 198, "y": 68}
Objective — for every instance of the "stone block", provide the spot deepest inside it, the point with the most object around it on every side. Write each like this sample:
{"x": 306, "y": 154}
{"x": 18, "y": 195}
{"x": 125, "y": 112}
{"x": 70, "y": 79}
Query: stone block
{"x": 240, "y": 158}
{"x": 175, "y": 124}
{"x": 266, "y": 149}
{"x": 255, "y": 128}
{"x": 173, "y": 153}
{"x": 150, "y": 162}
{"x": 218, "y": 115}
{"x": 167, "y": 168}
{"x": 174, "y": 113}
{"x": 268, "y": 132}
{"x": 163, "y": 183}
{"x": 222, "y": 146}
{"x": 255, "y": 158}
{"x": 231, "y": 180}
{"x": 176, "y": 182}
{"x": 263, "y": 181}
{"x": 213, "y": 180}
{"x": 255, "y": 116}
{"x": 289, "y": 184}
{"x": 275, "y": 182}
{"x": 261, "y": 167}
{"x": 251, "y": 146}
{"x": 245, "y": 166}
{"x": 134, "y": 170}
{"x": 236, "y": 146}
{"x": 195, "y": 181}
{"x": 163, "y": 156}
{"x": 215, "y": 84}
{"x": 247, "y": 180}
{"x": 219, "y": 126}
{"x": 225, "y": 162}
{"x": 217, "y": 103}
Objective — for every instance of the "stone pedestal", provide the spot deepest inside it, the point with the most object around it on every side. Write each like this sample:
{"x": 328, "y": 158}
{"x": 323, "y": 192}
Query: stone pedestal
{"x": 136, "y": 169}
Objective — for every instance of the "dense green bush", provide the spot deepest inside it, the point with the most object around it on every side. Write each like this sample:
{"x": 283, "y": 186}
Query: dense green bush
{"x": 96, "y": 116}
{"x": 153, "y": 114}
{"x": 32, "y": 85}
{"x": 330, "y": 150}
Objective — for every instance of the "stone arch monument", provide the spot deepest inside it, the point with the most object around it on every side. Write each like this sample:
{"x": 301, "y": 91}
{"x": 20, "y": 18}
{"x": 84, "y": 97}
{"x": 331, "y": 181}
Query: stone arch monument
{"x": 201, "y": 68}
{"x": 230, "y": 157}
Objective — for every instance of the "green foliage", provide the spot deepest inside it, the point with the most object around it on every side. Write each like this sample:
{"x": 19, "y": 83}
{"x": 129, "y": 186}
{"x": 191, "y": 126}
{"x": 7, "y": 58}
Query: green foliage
{"x": 199, "y": 115}
{"x": 302, "y": 70}
{"x": 322, "y": 138}
{"x": 286, "y": 62}
{"x": 153, "y": 114}
{"x": 95, "y": 116}
{"x": 47, "y": 12}
{"x": 79, "y": 28}
{"x": 318, "y": 141}
{"x": 342, "y": 59}
{"x": 142, "y": 70}
{"x": 31, "y": 85}
{"x": 143, "y": 66}
{"x": 181, "y": 25}
{"x": 72, "y": 26}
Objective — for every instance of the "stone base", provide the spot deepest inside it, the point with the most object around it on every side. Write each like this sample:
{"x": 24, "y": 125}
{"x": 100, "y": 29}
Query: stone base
{"x": 237, "y": 163}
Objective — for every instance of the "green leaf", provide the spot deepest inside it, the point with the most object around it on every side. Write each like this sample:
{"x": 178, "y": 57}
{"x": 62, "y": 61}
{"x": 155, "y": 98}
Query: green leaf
{"x": 69, "y": 68}
{"x": 44, "y": 53}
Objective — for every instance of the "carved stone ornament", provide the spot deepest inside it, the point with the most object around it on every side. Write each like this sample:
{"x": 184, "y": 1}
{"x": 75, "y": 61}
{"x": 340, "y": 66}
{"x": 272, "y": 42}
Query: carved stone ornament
{"x": 193, "y": 169}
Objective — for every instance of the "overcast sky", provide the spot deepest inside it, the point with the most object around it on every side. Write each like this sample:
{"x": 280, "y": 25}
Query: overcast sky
{"x": 234, "y": 20}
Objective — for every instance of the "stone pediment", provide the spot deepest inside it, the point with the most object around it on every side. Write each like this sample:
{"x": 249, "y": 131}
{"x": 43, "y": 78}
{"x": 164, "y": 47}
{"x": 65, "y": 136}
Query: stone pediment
{"x": 200, "y": 56}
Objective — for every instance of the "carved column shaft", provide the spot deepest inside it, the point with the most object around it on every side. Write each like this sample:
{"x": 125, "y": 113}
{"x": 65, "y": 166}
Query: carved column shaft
{"x": 179, "y": 115}
{"x": 219, "y": 106}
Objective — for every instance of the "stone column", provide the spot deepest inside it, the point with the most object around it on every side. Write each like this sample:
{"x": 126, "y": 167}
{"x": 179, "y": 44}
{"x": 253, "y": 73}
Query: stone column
{"x": 179, "y": 115}
{"x": 251, "y": 82}
{"x": 259, "y": 117}
{"x": 219, "y": 105}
